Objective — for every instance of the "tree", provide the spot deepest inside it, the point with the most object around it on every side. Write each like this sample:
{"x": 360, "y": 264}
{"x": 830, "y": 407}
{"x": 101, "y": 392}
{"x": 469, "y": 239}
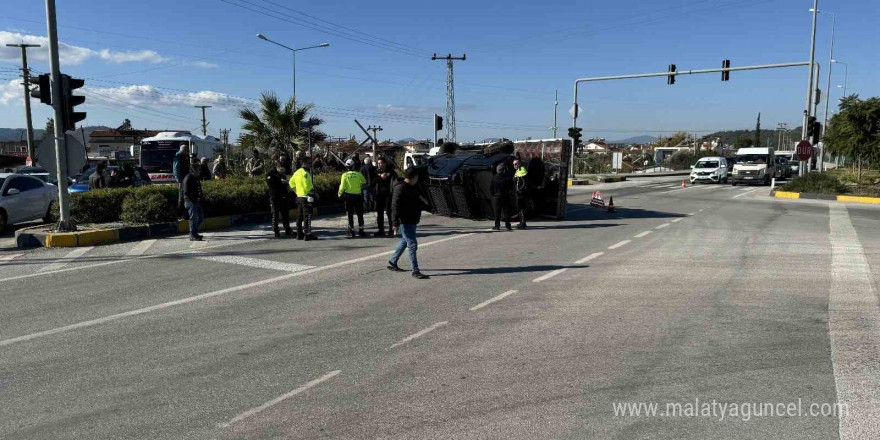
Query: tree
{"x": 742, "y": 142}
{"x": 126, "y": 125}
{"x": 855, "y": 130}
{"x": 277, "y": 127}
{"x": 50, "y": 127}
{"x": 758, "y": 142}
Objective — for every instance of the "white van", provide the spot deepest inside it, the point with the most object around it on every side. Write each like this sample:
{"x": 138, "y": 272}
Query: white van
{"x": 754, "y": 165}
{"x": 710, "y": 170}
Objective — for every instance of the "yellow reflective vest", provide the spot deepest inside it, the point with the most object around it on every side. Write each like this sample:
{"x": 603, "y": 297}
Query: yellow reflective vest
{"x": 351, "y": 183}
{"x": 301, "y": 183}
{"x": 521, "y": 172}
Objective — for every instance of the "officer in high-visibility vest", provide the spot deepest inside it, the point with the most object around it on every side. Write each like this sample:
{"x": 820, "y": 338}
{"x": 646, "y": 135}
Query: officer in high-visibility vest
{"x": 351, "y": 192}
{"x": 521, "y": 188}
{"x": 301, "y": 184}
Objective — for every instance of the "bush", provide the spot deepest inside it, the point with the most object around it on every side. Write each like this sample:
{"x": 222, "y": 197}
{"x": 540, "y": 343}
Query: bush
{"x": 152, "y": 207}
{"x": 158, "y": 203}
{"x": 816, "y": 183}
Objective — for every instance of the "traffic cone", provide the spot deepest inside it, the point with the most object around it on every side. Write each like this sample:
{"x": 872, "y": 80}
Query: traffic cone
{"x": 611, "y": 205}
{"x": 682, "y": 184}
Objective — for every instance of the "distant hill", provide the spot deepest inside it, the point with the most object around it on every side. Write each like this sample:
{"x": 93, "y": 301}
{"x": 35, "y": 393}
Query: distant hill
{"x": 643, "y": 139}
{"x": 729, "y": 137}
{"x": 407, "y": 140}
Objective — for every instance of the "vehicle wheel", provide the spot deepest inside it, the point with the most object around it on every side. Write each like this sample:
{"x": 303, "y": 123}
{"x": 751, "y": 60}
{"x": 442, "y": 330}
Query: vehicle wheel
{"x": 725, "y": 179}
{"x": 48, "y": 217}
{"x": 733, "y": 184}
{"x": 3, "y": 220}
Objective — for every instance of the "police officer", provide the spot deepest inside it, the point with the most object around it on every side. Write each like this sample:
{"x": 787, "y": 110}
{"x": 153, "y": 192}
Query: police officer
{"x": 277, "y": 182}
{"x": 301, "y": 184}
{"x": 521, "y": 188}
{"x": 351, "y": 187}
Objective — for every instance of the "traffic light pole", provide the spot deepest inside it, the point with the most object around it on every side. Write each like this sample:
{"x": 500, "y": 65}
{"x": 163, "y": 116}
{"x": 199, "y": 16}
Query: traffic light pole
{"x": 64, "y": 223}
{"x": 803, "y": 168}
{"x": 674, "y": 73}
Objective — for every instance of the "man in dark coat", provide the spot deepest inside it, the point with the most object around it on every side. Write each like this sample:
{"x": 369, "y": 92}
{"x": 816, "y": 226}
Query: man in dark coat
{"x": 406, "y": 210}
{"x": 384, "y": 182}
{"x": 276, "y": 180}
{"x": 501, "y": 187}
{"x": 98, "y": 179}
{"x": 193, "y": 199}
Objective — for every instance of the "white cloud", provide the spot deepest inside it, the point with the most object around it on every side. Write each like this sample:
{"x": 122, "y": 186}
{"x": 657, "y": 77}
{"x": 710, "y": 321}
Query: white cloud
{"x": 11, "y": 92}
{"x": 69, "y": 54}
{"x": 408, "y": 109}
{"x": 205, "y": 64}
{"x": 147, "y": 95}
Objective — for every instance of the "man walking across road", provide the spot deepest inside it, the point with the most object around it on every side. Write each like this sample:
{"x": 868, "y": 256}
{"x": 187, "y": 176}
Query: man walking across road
{"x": 277, "y": 183}
{"x": 521, "y": 189}
{"x": 351, "y": 192}
{"x": 193, "y": 199}
{"x": 501, "y": 186}
{"x": 406, "y": 212}
{"x": 180, "y": 167}
{"x": 386, "y": 178}
{"x": 301, "y": 184}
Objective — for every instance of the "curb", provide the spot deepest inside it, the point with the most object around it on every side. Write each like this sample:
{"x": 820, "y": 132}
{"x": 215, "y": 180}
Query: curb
{"x": 28, "y": 239}
{"x": 832, "y": 197}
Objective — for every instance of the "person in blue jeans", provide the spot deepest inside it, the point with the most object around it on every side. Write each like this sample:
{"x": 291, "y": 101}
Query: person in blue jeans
{"x": 406, "y": 212}
{"x": 193, "y": 198}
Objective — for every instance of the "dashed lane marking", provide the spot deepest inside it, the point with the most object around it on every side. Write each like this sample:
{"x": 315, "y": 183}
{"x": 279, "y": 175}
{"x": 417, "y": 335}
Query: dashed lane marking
{"x": 280, "y": 399}
{"x": 676, "y": 220}
{"x": 418, "y": 334}
{"x": 548, "y": 276}
{"x": 620, "y": 244}
{"x": 662, "y": 226}
{"x": 490, "y": 301}
{"x": 589, "y": 257}
{"x": 642, "y": 234}
{"x": 746, "y": 192}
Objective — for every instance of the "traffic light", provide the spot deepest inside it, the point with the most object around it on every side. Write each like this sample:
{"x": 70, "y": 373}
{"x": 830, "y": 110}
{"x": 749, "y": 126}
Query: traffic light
{"x": 69, "y": 101}
{"x": 725, "y": 75}
{"x": 438, "y": 123}
{"x": 671, "y": 78}
{"x": 815, "y": 131}
{"x": 575, "y": 134}
{"x": 44, "y": 93}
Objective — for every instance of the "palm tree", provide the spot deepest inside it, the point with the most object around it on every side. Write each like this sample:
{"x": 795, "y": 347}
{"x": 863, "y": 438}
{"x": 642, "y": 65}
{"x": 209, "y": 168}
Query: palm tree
{"x": 278, "y": 128}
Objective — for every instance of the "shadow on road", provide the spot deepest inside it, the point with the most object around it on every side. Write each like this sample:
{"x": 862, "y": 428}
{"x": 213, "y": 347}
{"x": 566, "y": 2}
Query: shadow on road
{"x": 587, "y": 212}
{"x": 496, "y": 270}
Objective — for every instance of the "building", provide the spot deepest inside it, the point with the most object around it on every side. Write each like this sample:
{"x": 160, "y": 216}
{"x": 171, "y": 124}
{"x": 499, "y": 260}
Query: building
{"x": 116, "y": 144}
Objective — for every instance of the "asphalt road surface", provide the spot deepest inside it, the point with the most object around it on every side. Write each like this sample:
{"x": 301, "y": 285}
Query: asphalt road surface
{"x": 699, "y": 298}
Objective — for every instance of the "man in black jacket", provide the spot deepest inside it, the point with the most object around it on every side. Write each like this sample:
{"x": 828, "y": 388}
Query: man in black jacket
{"x": 278, "y": 197}
{"x": 385, "y": 180}
{"x": 406, "y": 212}
{"x": 193, "y": 198}
{"x": 501, "y": 186}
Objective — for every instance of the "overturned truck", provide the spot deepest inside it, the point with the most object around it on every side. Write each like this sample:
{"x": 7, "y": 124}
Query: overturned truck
{"x": 459, "y": 184}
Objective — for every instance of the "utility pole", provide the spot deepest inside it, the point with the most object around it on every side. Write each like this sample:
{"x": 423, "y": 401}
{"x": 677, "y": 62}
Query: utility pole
{"x": 802, "y": 169}
{"x": 555, "y": 112}
{"x": 224, "y": 138}
{"x": 26, "y": 75}
{"x": 450, "y": 94}
{"x": 204, "y": 121}
{"x": 375, "y": 129}
{"x": 64, "y": 224}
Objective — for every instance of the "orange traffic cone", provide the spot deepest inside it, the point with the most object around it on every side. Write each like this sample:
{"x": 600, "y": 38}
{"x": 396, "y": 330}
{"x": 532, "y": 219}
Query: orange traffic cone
{"x": 610, "y": 207}
{"x": 682, "y": 184}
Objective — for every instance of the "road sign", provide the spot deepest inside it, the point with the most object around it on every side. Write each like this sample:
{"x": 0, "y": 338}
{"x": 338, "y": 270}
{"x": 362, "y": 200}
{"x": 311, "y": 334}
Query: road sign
{"x": 617, "y": 161}
{"x": 804, "y": 150}
{"x": 76, "y": 155}
{"x": 574, "y": 111}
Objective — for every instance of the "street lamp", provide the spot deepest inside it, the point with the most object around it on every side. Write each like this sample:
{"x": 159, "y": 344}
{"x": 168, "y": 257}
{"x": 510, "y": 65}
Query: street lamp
{"x": 827, "y": 90}
{"x": 845, "y": 74}
{"x": 294, "y": 51}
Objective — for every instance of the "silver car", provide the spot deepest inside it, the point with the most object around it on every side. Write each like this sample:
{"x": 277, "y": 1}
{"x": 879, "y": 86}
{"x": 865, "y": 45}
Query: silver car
{"x": 24, "y": 198}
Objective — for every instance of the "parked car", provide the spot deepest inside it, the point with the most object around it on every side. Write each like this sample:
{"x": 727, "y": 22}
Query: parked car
{"x": 81, "y": 182}
{"x": 709, "y": 170}
{"x": 38, "y": 172}
{"x": 24, "y": 198}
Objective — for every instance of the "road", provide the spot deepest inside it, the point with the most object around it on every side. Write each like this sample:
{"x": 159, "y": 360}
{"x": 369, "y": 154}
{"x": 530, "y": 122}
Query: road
{"x": 683, "y": 296}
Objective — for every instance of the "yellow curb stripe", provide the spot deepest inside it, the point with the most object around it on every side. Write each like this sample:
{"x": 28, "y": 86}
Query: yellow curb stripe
{"x": 858, "y": 199}
{"x": 787, "y": 195}
{"x": 66, "y": 239}
{"x": 91, "y": 238}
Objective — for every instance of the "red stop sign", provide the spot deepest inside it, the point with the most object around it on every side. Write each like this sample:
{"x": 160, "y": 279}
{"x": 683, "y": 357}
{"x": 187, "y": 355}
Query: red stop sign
{"x": 804, "y": 150}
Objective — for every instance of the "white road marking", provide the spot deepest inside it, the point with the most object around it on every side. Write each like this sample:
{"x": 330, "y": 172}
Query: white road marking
{"x": 676, "y": 220}
{"x": 854, "y": 330}
{"x": 700, "y": 210}
{"x": 280, "y": 399}
{"x": 548, "y": 276}
{"x": 642, "y": 234}
{"x": 140, "y": 248}
{"x": 692, "y": 214}
{"x": 65, "y": 260}
{"x": 490, "y": 301}
{"x": 620, "y": 244}
{"x": 589, "y": 257}
{"x": 187, "y": 300}
{"x": 9, "y": 257}
{"x": 197, "y": 244}
{"x": 662, "y": 226}
{"x": 746, "y": 192}
{"x": 418, "y": 334}
{"x": 258, "y": 263}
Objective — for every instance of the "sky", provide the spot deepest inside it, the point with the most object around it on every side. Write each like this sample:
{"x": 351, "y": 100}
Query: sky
{"x": 151, "y": 62}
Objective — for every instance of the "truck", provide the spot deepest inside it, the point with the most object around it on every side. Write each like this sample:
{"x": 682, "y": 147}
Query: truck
{"x": 753, "y": 165}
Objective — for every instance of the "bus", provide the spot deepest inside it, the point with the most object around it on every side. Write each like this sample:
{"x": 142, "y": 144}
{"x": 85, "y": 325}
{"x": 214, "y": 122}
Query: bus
{"x": 156, "y": 154}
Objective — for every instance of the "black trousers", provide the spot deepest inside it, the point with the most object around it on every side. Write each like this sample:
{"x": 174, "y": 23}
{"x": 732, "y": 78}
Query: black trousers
{"x": 354, "y": 204}
{"x": 303, "y": 216}
{"x": 383, "y": 208}
{"x": 521, "y": 203}
{"x": 280, "y": 212}
{"x": 501, "y": 207}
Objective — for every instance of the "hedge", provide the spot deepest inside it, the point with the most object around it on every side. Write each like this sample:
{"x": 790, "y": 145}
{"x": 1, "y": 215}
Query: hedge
{"x": 816, "y": 183}
{"x": 158, "y": 203}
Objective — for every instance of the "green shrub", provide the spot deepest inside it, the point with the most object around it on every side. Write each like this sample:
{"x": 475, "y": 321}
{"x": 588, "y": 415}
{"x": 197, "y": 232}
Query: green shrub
{"x": 816, "y": 183}
{"x": 150, "y": 207}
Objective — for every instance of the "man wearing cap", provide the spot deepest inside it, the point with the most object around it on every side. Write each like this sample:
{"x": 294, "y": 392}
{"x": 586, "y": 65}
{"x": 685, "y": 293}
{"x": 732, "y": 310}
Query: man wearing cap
{"x": 301, "y": 184}
{"x": 351, "y": 187}
{"x": 521, "y": 189}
